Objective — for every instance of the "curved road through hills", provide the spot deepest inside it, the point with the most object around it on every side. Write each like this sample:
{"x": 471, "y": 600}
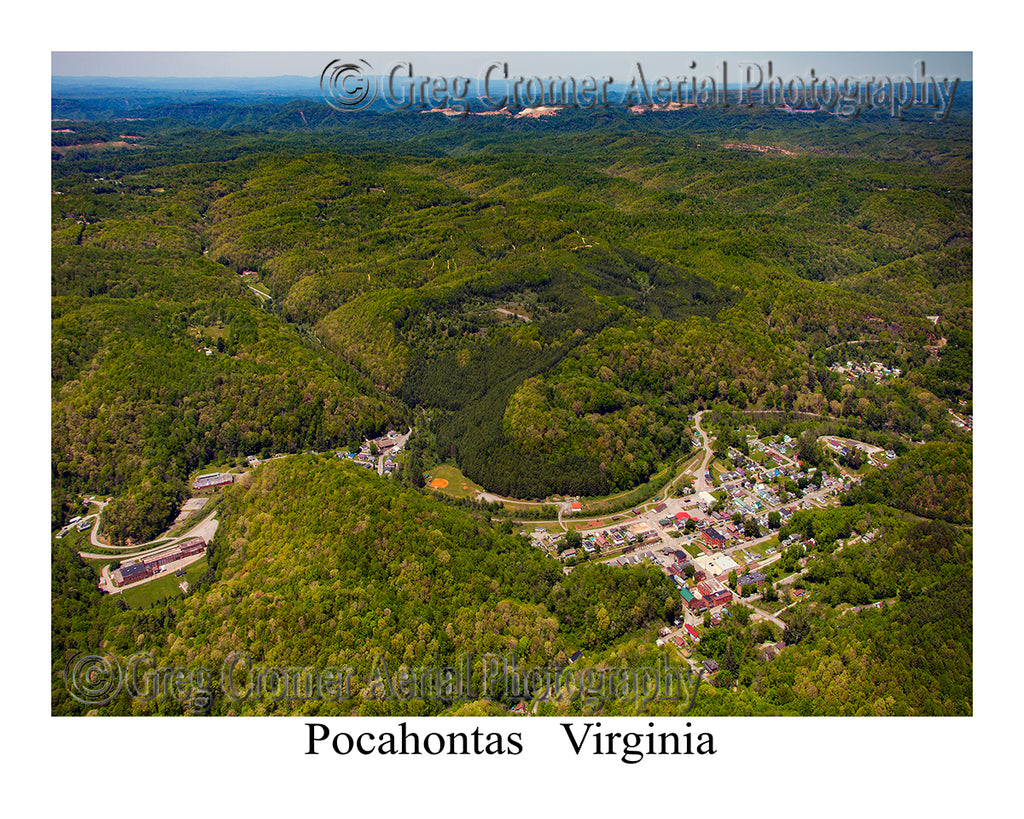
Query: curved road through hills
{"x": 94, "y": 539}
{"x": 701, "y": 484}
{"x": 204, "y": 529}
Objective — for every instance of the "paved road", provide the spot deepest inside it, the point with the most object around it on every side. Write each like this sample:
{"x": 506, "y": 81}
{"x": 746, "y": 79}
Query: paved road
{"x": 205, "y": 529}
{"x": 94, "y": 531}
{"x": 135, "y": 547}
{"x": 667, "y": 491}
{"x": 563, "y": 506}
{"x": 490, "y": 497}
{"x": 761, "y": 614}
{"x": 107, "y": 582}
{"x": 95, "y": 526}
{"x": 398, "y": 441}
{"x": 701, "y": 484}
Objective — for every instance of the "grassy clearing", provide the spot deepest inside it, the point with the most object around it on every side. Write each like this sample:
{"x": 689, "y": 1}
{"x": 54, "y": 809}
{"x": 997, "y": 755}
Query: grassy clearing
{"x": 209, "y": 332}
{"x": 526, "y": 508}
{"x": 692, "y": 549}
{"x": 164, "y": 588}
{"x": 774, "y": 607}
{"x": 459, "y": 486}
{"x": 865, "y": 469}
{"x": 756, "y": 550}
{"x": 79, "y": 541}
{"x": 692, "y": 464}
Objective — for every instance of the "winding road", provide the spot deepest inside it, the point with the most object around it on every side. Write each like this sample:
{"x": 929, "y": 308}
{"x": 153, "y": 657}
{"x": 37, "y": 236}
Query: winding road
{"x": 700, "y": 485}
{"x": 204, "y": 529}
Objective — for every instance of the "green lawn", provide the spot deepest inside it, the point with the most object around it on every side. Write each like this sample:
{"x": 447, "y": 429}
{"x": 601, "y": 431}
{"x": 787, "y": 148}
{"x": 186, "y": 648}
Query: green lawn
{"x": 459, "y": 486}
{"x": 79, "y": 541}
{"x": 156, "y": 591}
{"x": 210, "y": 332}
{"x": 692, "y": 549}
{"x": 757, "y": 549}
{"x": 775, "y": 607}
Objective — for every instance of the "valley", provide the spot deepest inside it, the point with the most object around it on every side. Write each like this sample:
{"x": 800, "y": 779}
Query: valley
{"x": 448, "y": 364}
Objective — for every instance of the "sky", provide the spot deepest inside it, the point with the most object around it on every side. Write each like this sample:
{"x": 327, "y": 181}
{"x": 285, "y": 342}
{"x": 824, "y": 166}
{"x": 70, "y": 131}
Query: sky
{"x": 526, "y": 63}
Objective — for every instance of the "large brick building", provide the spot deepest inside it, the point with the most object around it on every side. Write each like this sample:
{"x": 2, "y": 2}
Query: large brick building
{"x": 712, "y": 538}
{"x": 750, "y": 579}
{"x": 714, "y": 593}
{"x": 140, "y": 570}
{"x": 694, "y": 602}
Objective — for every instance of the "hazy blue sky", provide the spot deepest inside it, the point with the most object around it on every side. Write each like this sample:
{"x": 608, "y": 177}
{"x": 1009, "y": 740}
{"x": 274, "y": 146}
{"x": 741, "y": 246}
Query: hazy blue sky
{"x": 618, "y": 64}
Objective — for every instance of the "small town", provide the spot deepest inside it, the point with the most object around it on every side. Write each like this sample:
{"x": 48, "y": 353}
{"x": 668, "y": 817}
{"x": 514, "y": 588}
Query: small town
{"x": 716, "y": 542}
{"x": 874, "y": 371}
{"x": 379, "y": 454}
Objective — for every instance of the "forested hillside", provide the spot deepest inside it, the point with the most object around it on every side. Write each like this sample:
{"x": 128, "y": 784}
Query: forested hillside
{"x": 911, "y": 656}
{"x": 557, "y": 299}
{"x": 321, "y": 565}
{"x": 546, "y": 304}
{"x": 162, "y": 363}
